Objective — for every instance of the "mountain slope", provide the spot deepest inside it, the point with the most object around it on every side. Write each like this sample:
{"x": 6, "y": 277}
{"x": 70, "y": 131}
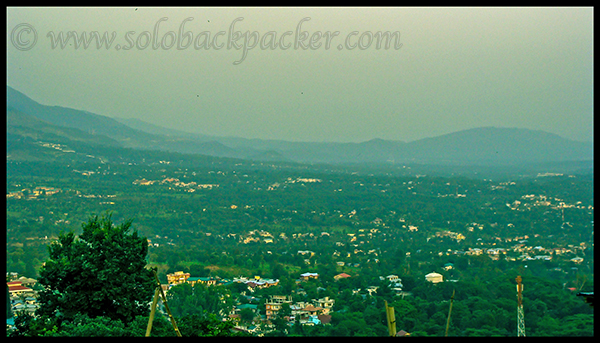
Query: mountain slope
{"x": 68, "y": 117}
{"x": 486, "y": 146}
{"x": 101, "y": 125}
{"x": 21, "y": 124}
{"x": 141, "y": 125}
{"x": 491, "y": 145}
{"x": 31, "y": 139}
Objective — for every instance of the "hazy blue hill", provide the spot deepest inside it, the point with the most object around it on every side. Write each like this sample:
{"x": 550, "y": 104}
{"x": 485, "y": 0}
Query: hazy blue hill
{"x": 159, "y": 130}
{"x": 480, "y": 146}
{"x": 82, "y": 120}
{"x": 372, "y": 151}
{"x": 387, "y": 151}
{"x": 26, "y": 136}
{"x": 490, "y": 145}
{"x": 212, "y": 148}
{"x": 96, "y": 124}
{"x": 185, "y": 142}
{"x": 21, "y": 124}
{"x": 270, "y": 156}
{"x": 269, "y": 150}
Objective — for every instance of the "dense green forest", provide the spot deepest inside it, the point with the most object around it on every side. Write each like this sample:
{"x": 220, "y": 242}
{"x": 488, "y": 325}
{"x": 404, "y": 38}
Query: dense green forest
{"x": 226, "y": 218}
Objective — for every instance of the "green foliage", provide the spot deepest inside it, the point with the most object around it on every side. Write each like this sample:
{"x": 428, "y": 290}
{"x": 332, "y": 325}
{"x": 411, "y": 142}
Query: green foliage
{"x": 354, "y": 324}
{"x": 26, "y": 325}
{"x": 577, "y": 325}
{"x": 246, "y": 315}
{"x": 184, "y": 299}
{"x": 209, "y": 325}
{"x": 83, "y": 326}
{"x": 100, "y": 273}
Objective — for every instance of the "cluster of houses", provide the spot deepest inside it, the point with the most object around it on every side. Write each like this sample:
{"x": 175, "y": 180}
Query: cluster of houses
{"x": 32, "y": 193}
{"x": 189, "y": 187}
{"x": 521, "y": 252}
{"x": 253, "y": 283}
{"x": 316, "y": 311}
{"x": 310, "y": 313}
{"x": 21, "y": 295}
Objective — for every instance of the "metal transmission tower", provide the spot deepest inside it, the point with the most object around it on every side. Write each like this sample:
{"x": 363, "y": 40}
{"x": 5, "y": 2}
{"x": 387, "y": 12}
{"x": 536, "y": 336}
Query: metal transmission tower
{"x": 520, "y": 314}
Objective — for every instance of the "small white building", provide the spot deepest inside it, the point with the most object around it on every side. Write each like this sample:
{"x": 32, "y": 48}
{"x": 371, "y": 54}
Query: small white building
{"x": 392, "y": 278}
{"x": 434, "y": 277}
{"x": 577, "y": 259}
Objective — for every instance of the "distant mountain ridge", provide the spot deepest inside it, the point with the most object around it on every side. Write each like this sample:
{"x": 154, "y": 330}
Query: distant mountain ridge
{"x": 96, "y": 124}
{"x": 491, "y": 145}
{"x": 21, "y": 124}
{"x": 479, "y": 146}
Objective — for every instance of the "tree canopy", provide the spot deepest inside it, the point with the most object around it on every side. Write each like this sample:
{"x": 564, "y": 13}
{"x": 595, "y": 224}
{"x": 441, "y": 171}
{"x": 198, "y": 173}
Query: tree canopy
{"x": 100, "y": 273}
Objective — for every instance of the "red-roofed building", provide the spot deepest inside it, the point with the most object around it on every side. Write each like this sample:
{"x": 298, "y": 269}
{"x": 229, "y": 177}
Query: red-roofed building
{"x": 17, "y": 289}
{"x": 402, "y": 333}
{"x": 324, "y": 318}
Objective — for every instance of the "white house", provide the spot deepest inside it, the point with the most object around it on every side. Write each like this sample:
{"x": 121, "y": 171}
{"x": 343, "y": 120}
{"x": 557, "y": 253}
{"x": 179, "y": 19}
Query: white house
{"x": 434, "y": 277}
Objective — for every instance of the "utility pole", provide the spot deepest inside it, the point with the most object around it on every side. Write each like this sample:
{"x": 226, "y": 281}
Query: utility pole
{"x": 152, "y": 312}
{"x": 520, "y": 314}
{"x": 391, "y": 319}
{"x": 449, "y": 312}
{"x": 157, "y": 292}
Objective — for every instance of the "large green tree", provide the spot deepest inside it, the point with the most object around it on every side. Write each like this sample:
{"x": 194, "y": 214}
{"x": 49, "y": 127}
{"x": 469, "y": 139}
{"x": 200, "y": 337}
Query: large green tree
{"x": 102, "y": 272}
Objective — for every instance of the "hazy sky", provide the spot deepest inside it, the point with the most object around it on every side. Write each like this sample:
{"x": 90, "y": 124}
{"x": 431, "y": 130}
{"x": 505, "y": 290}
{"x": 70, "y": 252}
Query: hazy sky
{"x": 456, "y": 68}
